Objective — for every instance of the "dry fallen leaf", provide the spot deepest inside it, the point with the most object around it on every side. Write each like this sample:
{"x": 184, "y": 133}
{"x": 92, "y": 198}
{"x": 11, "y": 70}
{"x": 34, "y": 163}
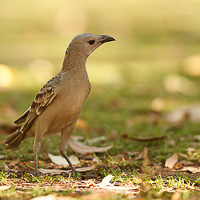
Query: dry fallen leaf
{"x": 183, "y": 155}
{"x": 59, "y": 171}
{"x": 96, "y": 140}
{"x": 13, "y": 162}
{"x": 10, "y": 170}
{"x": 191, "y": 169}
{"x": 53, "y": 171}
{"x": 186, "y": 162}
{"x": 190, "y": 149}
{"x": 171, "y": 161}
{"x": 106, "y": 181}
{"x": 76, "y": 138}
{"x": 84, "y": 149}
{"x": 191, "y": 113}
{"x": 85, "y": 169}
{"x": 177, "y": 116}
{"x": 59, "y": 160}
{"x": 178, "y": 165}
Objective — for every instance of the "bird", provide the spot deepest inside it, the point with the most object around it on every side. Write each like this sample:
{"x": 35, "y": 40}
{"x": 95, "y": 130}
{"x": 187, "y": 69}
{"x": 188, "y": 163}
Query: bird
{"x": 58, "y": 104}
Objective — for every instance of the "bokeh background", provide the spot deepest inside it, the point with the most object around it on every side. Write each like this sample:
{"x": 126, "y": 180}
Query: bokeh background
{"x": 154, "y": 64}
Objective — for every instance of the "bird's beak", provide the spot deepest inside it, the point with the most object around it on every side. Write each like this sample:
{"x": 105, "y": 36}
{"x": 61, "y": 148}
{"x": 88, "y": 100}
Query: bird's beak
{"x": 106, "y": 38}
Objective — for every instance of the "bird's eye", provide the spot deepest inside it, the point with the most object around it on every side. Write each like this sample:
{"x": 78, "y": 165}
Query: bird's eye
{"x": 91, "y": 42}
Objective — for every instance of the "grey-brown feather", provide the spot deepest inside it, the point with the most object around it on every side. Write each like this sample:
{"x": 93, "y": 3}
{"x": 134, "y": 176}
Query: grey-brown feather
{"x": 44, "y": 98}
{"x": 22, "y": 119}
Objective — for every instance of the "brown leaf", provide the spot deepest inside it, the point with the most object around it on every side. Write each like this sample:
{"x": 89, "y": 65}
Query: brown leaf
{"x": 178, "y": 165}
{"x": 84, "y": 149}
{"x": 171, "y": 161}
{"x": 14, "y": 162}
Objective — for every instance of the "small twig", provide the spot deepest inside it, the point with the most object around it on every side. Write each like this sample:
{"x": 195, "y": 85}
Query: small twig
{"x": 29, "y": 165}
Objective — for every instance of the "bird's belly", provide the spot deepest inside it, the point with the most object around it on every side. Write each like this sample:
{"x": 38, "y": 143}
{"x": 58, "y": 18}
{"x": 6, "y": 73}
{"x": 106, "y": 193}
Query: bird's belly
{"x": 58, "y": 115}
{"x": 67, "y": 112}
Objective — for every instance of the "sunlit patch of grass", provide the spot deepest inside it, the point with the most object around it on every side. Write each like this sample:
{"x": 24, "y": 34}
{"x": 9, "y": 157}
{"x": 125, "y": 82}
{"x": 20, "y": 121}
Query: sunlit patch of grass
{"x": 4, "y": 177}
{"x": 173, "y": 182}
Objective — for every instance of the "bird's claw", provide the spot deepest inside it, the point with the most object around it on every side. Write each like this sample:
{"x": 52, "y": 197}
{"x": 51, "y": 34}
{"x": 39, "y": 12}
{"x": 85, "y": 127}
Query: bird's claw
{"x": 75, "y": 174}
{"x": 35, "y": 173}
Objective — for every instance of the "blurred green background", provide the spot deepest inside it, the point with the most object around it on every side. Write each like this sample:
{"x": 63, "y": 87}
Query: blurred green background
{"x": 155, "y": 60}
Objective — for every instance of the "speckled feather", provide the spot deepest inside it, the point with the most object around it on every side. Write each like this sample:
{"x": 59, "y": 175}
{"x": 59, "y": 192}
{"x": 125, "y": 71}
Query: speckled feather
{"x": 46, "y": 95}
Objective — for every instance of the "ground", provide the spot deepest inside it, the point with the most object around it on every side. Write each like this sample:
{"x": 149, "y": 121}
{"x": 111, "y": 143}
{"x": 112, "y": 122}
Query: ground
{"x": 137, "y": 159}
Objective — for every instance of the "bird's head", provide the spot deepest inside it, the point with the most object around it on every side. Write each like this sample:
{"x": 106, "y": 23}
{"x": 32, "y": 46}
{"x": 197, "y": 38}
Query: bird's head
{"x": 86, "y": 43}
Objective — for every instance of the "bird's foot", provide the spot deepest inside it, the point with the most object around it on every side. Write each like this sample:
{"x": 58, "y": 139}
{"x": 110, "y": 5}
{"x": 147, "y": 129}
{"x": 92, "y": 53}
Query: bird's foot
{"x": 36, "y": 173}
{"x": 75, "y": 174}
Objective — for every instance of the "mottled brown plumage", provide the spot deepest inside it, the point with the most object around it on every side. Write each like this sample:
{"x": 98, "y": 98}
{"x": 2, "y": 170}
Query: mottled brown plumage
{"x": 58, "y": 104}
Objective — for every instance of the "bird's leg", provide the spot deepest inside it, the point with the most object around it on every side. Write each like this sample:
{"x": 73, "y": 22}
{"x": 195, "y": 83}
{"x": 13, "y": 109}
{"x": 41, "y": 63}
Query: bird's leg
{"x": 70, "y": 164}
{"x": 36, "y": 149}
{"x": 36, "y": 164}
{"x": 65, "y": 134}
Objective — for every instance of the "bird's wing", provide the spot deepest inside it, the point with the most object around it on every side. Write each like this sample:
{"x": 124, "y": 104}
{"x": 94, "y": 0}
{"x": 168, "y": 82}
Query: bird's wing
{"x": 22, "y": 118}
{"x": 46, "y": 95}
{"x": 42, "y": 100}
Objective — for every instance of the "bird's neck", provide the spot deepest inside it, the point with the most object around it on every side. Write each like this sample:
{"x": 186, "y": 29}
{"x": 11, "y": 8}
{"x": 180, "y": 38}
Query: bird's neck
{"x": 74, "y": 60}
{"x": 74, "y": 65}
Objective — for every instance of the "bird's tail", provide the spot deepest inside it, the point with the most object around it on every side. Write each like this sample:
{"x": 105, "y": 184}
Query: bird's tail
{"x": 15, "y": 139}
